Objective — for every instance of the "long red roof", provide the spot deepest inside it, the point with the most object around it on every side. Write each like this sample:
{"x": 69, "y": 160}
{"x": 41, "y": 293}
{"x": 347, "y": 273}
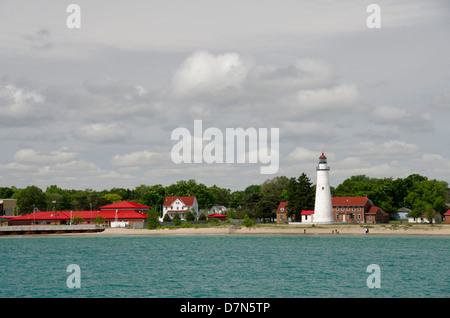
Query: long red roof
{"x": 349, "y": 201}
{"x": 188, "y": 201}
{"x": 65, "y": 215}
{"x": 124, "y": 205}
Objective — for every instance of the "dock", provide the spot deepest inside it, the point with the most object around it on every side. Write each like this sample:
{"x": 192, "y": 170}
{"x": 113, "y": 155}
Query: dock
{"x": 49, "y": 229}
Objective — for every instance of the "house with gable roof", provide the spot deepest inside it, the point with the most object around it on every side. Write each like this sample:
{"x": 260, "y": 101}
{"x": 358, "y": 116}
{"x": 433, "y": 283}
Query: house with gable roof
{"x": 282, "y": 213}
{"x": 447, "y": 217}
{"x": 173, "y": 205}
{"x": 352, "y": 210}
{"x": 357, "y": 210}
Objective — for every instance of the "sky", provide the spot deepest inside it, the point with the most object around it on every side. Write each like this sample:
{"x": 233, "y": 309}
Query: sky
{"x": 95, "y": 107}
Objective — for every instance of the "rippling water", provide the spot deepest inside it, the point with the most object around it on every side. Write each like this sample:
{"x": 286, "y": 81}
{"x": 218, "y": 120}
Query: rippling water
{"x": 282, "y": 266}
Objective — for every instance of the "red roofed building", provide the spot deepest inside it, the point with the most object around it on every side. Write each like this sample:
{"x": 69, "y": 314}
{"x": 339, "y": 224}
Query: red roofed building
{"x": 447, "y": 217}
{"x": 179, "y": 205}
{"x": 65, "y": 217}
{"x": 376, "y": 215}
{"x": 282, "y": 213}
{"x": 357, "y": 210}
{"x": 126, "y": 206}
{"x": 307, "y": 216}
{"x": 352, "y": 210}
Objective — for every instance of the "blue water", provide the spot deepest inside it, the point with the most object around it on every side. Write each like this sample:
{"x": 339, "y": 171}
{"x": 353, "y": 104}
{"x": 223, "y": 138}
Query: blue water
{"x": 282, "y": 266}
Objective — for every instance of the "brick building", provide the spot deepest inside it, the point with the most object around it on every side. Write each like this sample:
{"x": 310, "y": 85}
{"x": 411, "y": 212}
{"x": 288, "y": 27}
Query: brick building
{"x": 357, "y": 210}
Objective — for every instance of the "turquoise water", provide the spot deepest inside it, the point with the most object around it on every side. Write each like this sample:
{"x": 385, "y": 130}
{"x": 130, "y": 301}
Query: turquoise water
{"x": 226, "y": 266}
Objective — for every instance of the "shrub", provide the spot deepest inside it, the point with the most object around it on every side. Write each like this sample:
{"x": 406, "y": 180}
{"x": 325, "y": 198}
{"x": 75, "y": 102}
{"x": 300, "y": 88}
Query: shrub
{"x": 176, "y": 219}
{"x": 248, "y": 222}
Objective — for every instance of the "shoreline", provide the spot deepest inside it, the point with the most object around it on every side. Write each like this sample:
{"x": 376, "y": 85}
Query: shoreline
{"x": 438, "y": 230}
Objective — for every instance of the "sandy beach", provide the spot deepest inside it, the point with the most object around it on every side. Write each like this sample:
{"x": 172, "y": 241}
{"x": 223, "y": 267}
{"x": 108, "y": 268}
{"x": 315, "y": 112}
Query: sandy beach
{"x": 356, "y": 229}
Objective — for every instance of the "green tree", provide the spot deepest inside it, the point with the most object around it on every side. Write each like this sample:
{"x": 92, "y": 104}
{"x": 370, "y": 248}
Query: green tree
{"x": 6, "y": 193}
{"x": 301, "y": 196}
{"x": 99, "y": 219}
{"x": 189, "y": 215}
{"x": 248, "y": 222}
{"x": 167, "y": 218}
{"x": 272, "y": 192}
{"x": 31, "y": 198}
{"x": 427, "y": 192}
{"x": 176, "y": 219}
{"x": 112, "y": 197}
{"x": 153, "y": 219}
{"x": 76, "y": 219}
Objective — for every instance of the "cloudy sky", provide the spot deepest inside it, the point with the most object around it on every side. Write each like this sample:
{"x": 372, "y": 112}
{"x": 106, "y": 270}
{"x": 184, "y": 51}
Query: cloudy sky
{"x": 95, "y": 107}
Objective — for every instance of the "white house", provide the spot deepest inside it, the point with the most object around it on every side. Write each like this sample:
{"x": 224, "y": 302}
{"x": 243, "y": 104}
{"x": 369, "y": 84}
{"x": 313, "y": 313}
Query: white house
{"x": 403, "y": 213}
{"x": 179, "y": 205}
{"x": 218, "y": 209}
{"x": 308, "y": 217}
{"x": 424, "y": 219}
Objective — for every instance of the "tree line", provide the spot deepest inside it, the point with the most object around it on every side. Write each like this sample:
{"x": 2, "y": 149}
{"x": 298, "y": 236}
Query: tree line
{"x": 415, "y": 192}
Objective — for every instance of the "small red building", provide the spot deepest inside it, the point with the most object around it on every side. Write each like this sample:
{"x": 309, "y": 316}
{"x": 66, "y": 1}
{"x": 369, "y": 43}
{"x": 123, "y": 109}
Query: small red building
{"x": 282, "y": 213}
{"x": 447, "y": 217}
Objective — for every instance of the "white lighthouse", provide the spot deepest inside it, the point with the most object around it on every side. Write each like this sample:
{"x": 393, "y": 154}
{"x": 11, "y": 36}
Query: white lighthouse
{"x": 323, "y": 210}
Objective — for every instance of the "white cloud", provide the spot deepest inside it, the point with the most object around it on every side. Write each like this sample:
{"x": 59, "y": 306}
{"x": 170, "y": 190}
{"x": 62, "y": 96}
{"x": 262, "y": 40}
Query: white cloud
{"x": 407, "y": 119}
{"x": 301, "y": 154}
{"x": 102, "y": 132}
{"x": 36, "y": 157}
{"x": 204, "y": 73}
{"x": 336, "y": 99}
{"x": 138, "y": 158}
{"x": 302, "y": 74}
{"x": 442, "y": 100}
{"x": 21, "y": 106}
{"x": 389, "y": 149}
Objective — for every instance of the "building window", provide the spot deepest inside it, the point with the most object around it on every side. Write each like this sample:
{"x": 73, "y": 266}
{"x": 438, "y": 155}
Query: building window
{"x": 348, "y": 208}
{"x": 306, "y": 217}
{"x": 359, "y": 208}
{"x": 337, "y": 208}
{"x": 353, "y": 208}
{"x": 359, "y": 216}
{"x": 337, "y": 216}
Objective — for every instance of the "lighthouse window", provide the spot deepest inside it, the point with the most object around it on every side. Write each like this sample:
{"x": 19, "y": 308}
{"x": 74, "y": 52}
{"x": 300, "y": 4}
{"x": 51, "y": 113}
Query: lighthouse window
{"x": 323, "y": 188}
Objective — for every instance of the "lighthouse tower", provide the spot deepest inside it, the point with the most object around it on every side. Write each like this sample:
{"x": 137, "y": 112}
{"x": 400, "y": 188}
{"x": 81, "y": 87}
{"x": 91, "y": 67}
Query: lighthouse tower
{"x": 323, "y": 210}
